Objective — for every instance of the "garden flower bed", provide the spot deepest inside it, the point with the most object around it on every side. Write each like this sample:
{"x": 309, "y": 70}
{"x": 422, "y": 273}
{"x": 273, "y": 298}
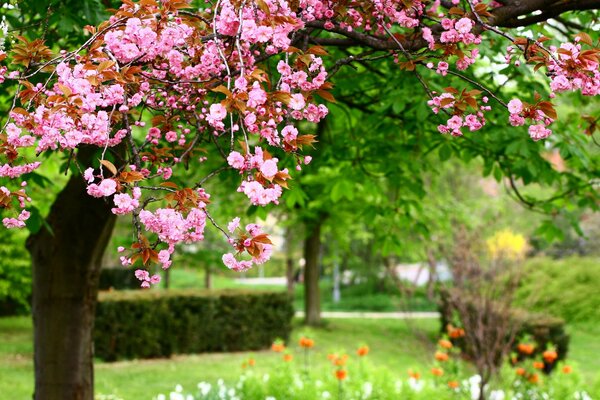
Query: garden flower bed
{"x": 301, "y": 376}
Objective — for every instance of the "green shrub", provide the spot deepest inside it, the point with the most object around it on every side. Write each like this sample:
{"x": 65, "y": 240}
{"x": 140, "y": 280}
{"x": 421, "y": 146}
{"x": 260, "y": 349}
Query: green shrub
{"x": 567, "y": 288}
{"x": 15, "y": 273}
{"x": 147, "y": 324}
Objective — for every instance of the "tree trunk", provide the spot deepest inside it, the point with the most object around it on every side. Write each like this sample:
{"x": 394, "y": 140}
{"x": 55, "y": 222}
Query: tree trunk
{"x": 289, "y": 261}
{"x": 66, "y": 268}
{"x": 312, "y": 296}
{"x": 167, "y": 282}
{"x": 207, "y": 277}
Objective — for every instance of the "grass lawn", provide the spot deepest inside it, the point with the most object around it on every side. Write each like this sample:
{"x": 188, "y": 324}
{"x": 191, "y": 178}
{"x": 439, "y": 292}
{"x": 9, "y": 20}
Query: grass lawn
{"x": 395, "y": 344}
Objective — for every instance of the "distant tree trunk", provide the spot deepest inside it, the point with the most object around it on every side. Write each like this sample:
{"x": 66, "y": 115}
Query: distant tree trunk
{"x": 432, "y": 278}
{"x": 167, "y": 280}
{"x": 66, "y": 268}
{"x": 289, "y": 261}
{"x": 207, "y": 277}
{"x": 312, "y": 296}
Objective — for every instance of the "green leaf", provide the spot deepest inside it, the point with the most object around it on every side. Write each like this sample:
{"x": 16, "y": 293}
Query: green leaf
{"x": 445, "y": 152}
{"x": 35, "y": 221}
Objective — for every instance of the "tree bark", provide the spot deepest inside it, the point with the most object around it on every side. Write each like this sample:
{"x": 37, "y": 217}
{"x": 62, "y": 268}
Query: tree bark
{"x": 207, "y": 277}
{"x": 289, "y": 261}
{"x": 167, "y": 278}
{"x": 312, "y": 296}
{"x": 66, "y": 268}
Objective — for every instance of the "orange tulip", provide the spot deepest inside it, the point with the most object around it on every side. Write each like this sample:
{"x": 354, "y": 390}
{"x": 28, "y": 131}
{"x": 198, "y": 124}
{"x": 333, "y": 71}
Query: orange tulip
{"x": 538, "y": 365}
{"x": 306, "y": 342}
{"x": 362, "y": 351}
{"x": 550, "y": 356}
{"x": 454, "y": 332}
{"x": 278, "y": 347}
{"x": 534, "y": 378}
{"x": 441, "y": 356}
{"x": 526, "y": 348}
{"x": 251, "y": 362}
{"x": 446, "y": 344}
{"x": 520, "y": 371}
{"x": 437, "y": 371}
{"x": 567, "y": 369}
{"x": 341, "y": 374}
{"x": 414, "y": 375}
{"x": 288, "y": 357}
{"x": 453, "y": 384}
{"x": 338, "y": 361}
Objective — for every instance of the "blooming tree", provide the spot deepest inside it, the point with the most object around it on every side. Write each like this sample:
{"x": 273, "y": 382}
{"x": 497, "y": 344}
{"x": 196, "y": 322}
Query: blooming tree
{"x": 198, "y": 76}
{"x": 158, "y": 82}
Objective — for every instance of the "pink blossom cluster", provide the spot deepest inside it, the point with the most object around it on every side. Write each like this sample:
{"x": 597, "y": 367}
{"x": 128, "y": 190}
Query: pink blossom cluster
{"x": 458, "y": 31}
{"x": 125, "y": 203}
{"x": 252, "y": 237}
{"x": 18, "y": 222}
{"x": 140, "y": 40}
{"x": 173, "y": 227}
{"x": 259, "y": 193}
{"x": 519, "y": 112}
{"x": 447, "y": 101}
{"x": 571, "y": 70}
{"x": 146, "y": 279}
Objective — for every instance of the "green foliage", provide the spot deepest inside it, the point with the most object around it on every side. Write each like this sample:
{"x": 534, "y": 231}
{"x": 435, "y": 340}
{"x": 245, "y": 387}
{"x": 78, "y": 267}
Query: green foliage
{"x": 147, "y": 324}
{"x": 15, "y": 273}
{"x": 567, "y": 288}
{"x": 117, "y": 279}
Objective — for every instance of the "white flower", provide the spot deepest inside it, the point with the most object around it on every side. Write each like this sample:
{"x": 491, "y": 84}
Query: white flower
{"x": 416, "y": 385}
{"x": 326, "y": 395}
{"x": 497, "y": 395}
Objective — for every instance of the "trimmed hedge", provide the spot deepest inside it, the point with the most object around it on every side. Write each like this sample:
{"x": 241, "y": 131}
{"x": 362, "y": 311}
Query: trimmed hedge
{"x": 152, "y": 323}
{"x": 544, "y": 329}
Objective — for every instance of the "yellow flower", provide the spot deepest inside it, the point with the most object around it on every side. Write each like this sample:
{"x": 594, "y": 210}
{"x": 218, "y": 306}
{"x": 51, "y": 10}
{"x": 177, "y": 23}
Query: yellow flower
{"x": 506, "y": 244}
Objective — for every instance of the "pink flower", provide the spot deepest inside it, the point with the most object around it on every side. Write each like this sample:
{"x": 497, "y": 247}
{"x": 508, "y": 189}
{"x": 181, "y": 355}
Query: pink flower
{"x": 154, "y": 279}
{"x": 455, "y": 122}
{"x": 269, "y": 168}
{"x": 464, "y": 25}
{"x": 124, "y": 204}
{"x": 538, "y": 132}
{"x": 428, "y": 36}
{"x": 515, "y": 106}
{"x": 236, "y": 160}
{"x": 297, "y": 102}
{"x": 442, "y": 68}
{"x": 88, "y": 175}
{"x": 171, "y": 136}
{"x": 232, "y": 226}
{"x": 105, "y": 188}
{"x": 142, "y": 275}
